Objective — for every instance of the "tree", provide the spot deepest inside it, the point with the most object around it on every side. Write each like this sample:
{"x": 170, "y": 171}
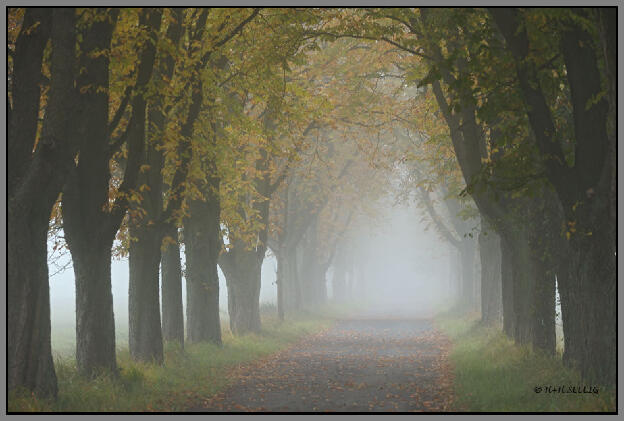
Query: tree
{"x": 583, "y": 186}
{"x": 91, "y": 218}
{"x": 35, "y": 181}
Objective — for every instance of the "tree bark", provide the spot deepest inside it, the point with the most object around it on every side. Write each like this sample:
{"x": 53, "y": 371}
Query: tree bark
{"x": 491, "y": 293}
{"x": 89, "y": 228}
{"x": 202, "y": 247}
{"x": 507, "y": 287}
{"x": 242, "y": 270}
{"x": 467, "y": 258}
{"x": 147, "y": 223}
{"x": 25, "y": 90}
{"x": 287, "y": 283}
{"x": 145, "y": 335}
{"x": 29, "y": 353}
{"x": 533, "y": 290}
{"x": 95, "y": 321}
{"x": 172, "y": 307}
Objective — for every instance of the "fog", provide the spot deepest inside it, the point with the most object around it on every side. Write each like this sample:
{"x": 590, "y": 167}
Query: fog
{"x": 402, "y": 271}
{"x": 63, "y": 306}
{"x": 403, "y": 266}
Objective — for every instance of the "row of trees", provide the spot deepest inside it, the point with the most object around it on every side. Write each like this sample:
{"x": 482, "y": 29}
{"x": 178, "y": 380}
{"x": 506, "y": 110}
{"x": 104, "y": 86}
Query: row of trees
{"x": 514, "y": 158}
{"x": 132, "y": 131}
{"x": 528, "y": 100}
{"x": 237, "y": 130}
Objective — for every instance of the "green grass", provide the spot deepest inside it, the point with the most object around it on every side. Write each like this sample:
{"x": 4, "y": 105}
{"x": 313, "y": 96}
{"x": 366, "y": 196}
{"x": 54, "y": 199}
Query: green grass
{"x": 184, "y": 381}
{"x": 491, "y": 373}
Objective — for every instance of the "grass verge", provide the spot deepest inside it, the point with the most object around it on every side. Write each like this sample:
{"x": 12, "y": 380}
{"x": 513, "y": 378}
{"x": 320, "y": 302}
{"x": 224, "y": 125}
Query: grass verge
{"x": 493, "y": 374}
{"x": 186, "y": 379}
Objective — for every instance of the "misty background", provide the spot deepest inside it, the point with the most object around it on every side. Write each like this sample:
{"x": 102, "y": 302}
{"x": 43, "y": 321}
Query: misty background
{"x": 404, "y": 268}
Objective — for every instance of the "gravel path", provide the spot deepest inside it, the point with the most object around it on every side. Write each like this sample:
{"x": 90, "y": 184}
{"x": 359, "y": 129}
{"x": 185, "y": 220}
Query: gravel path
{"x": 382, "y": 365}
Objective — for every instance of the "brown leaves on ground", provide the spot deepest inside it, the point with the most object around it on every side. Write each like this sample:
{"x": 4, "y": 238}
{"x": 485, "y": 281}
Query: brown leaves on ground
{"x": 357, "y": 366}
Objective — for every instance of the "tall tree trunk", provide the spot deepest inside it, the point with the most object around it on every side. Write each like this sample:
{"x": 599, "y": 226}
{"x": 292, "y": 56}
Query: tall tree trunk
{"x": 172, "y": 307}
{"x": 523, "y": 283}
{"x": 339, "y": 285}
{"x": 467, "y": 256}
{"x": 533, "y": 291}
{"x": 25, "y": 90}
{"x": 202, "y": 247}
{"x": 590, "y": 289}
{"x": 281, "y": 280}
{"x": 88, "y": 225}
{"x": 146, "y": 222}
{"x": 491, "y": 294}
{"x": 297, "y": 280}
{"x": 287, "y": 283}
{"x": 280, "y": 294}
{"x": 243, "y": 276}
{"x": 29, "y": 354}
{"x": 586, "y": 189}
{"x": 544, "y": 336}
{"x": 507, "y": 286}
{"x": 95, "y": 321}
{"x": 34, "y": 185}
{"x": 145, "y": 337}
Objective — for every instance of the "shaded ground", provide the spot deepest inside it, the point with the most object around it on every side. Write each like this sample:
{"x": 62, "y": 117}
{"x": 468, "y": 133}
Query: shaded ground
{"x": 357, "y": 365}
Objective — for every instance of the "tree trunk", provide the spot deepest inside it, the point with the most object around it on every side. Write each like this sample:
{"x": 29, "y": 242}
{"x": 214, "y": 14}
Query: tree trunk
{"x": 243, "y": 277}
{"x": 202, "y": 247}
{"x": 145, "y": 337}
{"x": 533, "y": 290}
{"x": 146, "y": 223}
{"x": 507, "y": 287}
{"x": 95, "y": 321}
{"x": 523, "y": 283}
{"x": 287, "y": 288}
{"x": 491, "y": 295}
{"x": 29, "y": 353}
{"x": 467, "y": 256}
{"x": 172, "y": 307}
{"x": 296, "y": 279}
{"x": 544, "y": 336}
{"x": 339, "y": 286}
{"x": 25, "y": 90}
{"x": 88, "y": 225}
{"x": 34, "y": 183}
{"x": 590, "y": 289}
{"x": 280, "y": 294}
{"x": 586, "y": 190}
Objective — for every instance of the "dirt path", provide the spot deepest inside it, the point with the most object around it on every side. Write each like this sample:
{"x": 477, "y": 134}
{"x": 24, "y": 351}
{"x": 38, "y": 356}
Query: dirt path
{"x": 357, "y": 366}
